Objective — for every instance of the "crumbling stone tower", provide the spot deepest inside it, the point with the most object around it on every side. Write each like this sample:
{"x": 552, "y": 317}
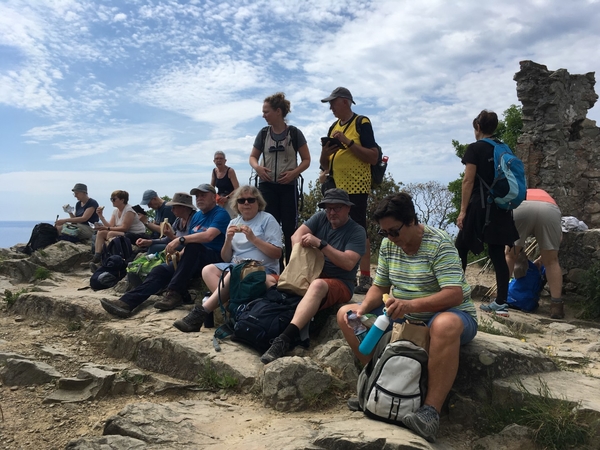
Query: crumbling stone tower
{"x": 559, "y": 146}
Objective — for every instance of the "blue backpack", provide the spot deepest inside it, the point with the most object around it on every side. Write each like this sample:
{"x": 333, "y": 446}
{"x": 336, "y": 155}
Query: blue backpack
{"x": 524, "y": 292}
{"x": 509, "y": 187}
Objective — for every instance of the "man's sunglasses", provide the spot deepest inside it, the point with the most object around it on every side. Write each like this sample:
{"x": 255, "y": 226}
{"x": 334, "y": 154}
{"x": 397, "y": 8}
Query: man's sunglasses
{"x": 250, "y": 200}
{"x": 392, "y": 233}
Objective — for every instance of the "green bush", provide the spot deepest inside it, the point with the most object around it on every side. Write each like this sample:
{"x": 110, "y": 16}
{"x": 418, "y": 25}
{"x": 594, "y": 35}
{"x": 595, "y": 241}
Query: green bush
{"x": 590, "y": 287}
{"x": 41, "y": 273}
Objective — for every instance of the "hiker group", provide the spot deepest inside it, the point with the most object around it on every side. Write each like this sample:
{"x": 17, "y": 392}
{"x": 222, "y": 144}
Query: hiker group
{"x": 243, "y": 239}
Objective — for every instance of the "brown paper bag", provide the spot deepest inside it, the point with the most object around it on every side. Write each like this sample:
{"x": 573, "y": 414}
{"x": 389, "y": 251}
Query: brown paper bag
{"x": 417, "y": 334}
{"x": 305, "y": 266}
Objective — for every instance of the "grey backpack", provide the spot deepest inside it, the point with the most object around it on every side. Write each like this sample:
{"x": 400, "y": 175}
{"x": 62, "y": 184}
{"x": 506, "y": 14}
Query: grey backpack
{"x": 394, "y": 383}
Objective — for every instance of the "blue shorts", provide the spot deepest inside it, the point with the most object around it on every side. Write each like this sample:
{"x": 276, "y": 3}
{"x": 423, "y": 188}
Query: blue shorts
{"x": 469, "y": 324}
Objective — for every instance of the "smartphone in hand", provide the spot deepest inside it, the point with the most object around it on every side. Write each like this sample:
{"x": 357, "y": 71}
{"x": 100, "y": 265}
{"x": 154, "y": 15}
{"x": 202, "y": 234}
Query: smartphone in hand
{"x": 138, "y": 209}
{"x": 329, "y": 141}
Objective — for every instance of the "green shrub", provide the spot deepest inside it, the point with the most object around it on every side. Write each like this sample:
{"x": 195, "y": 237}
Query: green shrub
{"x": 10, "y": 298}
{"x": 41, "y": 273}
{"x": 590, "y": 287}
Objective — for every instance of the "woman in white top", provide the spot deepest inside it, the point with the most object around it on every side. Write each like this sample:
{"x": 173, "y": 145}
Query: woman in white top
{"x": 124, "y": 219}
{"x": 253, "y": 234}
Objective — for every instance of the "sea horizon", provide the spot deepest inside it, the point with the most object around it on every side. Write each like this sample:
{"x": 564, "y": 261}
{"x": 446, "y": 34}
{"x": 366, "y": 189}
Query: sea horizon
{"x": 13, "y": 232}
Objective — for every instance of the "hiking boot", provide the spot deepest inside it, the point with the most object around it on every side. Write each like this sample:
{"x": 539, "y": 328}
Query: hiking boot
{"x": 97, "y": 258}
{"x": 93, "y": 267}
{"x": 193, "y": 321}
{"x": 493, "y": 307}
{"x": 171, "y": 300}
{"x": 364, "y": 284}
{"x": 277, "y": 349}
{"x": 353, "y": 404}
{"x": 116, "y": 307}
{"x": 557, "y": 310}
{"x": 425, "y": 421}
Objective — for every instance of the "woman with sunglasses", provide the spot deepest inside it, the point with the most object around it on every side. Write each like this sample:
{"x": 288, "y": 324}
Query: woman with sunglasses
{"x": 253, "y": 234}
{"x": 123, "y": 220}
{"x": 420, "y": 269}
{"x": 279, "y": 144}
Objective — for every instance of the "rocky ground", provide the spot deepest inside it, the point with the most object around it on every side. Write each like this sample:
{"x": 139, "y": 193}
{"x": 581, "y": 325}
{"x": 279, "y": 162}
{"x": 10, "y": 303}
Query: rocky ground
{"x": 28, "y": 422}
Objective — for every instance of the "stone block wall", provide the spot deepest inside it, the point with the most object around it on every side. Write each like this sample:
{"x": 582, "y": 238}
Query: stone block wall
{"x": 559, "y": 146}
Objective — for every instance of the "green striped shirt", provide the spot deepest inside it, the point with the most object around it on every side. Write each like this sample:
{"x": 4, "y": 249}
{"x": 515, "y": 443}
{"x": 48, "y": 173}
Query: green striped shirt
{"x": 436, "y": 265}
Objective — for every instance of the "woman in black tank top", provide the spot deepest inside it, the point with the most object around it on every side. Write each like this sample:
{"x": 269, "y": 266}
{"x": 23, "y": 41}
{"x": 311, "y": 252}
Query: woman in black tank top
{"x": 223, "y": 178}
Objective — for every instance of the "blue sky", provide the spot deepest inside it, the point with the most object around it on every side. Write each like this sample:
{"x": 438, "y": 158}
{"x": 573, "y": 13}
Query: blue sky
{"x": 140, "y": 94}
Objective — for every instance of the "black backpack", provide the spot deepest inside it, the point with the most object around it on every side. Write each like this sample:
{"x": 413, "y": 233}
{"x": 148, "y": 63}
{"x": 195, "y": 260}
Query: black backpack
{"x": 42, "y": 236}
{"x": 259, "y": 322}
{"x": 115, "y": 257}
{"x": 377, "y": 170}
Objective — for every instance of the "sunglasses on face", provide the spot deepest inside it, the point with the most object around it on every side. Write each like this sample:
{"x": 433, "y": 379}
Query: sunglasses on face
{"x": 112, "y": 199}
{"x": 250, "y": 200}
{"x": 392, "y": 232}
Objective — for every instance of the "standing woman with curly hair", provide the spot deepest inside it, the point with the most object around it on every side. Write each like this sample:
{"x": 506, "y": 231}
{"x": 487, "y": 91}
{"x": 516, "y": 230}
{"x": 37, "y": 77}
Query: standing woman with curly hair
{"x": 274, "y": 157}
{"x": 497, "y": 230}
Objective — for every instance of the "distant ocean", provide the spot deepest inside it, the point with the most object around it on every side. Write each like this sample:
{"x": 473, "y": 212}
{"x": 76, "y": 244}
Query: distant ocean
{"x": 17, "y": 232}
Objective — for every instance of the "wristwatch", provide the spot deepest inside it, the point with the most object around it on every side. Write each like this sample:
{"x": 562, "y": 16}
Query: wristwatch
{"x": 182, "y": 240}
{"x": 323, "y": 244}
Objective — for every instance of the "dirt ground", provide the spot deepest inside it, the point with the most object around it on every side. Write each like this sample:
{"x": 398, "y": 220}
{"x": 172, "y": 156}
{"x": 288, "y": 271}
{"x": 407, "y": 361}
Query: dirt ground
{"x": 26, "y": 422}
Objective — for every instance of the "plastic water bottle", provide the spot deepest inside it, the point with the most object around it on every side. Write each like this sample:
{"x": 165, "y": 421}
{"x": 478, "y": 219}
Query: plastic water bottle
{"x": 360, "y": 331}
{"x": 376, "y": 331}
{"x": 374, "y": 334}
{"x": 384, "y": 161}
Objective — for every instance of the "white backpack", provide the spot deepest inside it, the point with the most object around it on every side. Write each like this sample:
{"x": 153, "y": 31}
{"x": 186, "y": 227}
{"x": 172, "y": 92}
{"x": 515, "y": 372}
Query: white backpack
{"x": 394, "y": 383}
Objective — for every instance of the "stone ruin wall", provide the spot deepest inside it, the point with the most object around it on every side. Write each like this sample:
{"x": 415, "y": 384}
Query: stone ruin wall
{"x": 559, "y": 146}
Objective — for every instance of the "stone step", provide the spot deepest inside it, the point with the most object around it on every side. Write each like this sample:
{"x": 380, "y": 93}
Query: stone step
{"x": 224, "y": 426}
{"x": 151, "y": 342}
{"x": 574, "y": 388}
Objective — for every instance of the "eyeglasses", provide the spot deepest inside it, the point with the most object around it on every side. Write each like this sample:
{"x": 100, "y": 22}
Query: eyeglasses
{"x": 392, "y": 232}
{"x": 250, "y": 200}
{"x": 112, "y": 199}
{"x": 336, "y": 208}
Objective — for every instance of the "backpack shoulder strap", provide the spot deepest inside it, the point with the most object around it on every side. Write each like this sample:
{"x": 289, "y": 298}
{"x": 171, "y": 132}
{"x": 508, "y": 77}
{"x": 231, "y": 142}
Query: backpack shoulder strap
{"x": 263, "y": 138}
{"x": 331, "y": 128}
{"x": 294, "y": 136}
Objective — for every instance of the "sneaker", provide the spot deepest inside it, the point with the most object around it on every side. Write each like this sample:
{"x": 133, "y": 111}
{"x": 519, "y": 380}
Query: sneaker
{"x": 171, "y": 300}
{"x": 364, "y": 284}
{"x": 193, "y": 321}
{"x": 557, "y": 310}
{"x": 277, "y": 349}
{"x": 116, "y": 307}
{"x": 493, "y": 307}
{"x": 425, "y": 421}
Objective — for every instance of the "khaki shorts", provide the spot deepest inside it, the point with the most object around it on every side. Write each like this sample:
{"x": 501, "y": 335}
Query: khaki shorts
{"x": 540, "y": 219}
{"x": 338, "y": 293}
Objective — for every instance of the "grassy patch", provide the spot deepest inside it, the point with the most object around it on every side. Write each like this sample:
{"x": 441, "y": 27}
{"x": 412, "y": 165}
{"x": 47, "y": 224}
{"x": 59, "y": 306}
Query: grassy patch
{"x": 556, "y": 424}
{"x": 487, "y": 326}
{"x": 41, "y": 273}
{"x": 11, "y": 297}
{"x": 209, "y": 378}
